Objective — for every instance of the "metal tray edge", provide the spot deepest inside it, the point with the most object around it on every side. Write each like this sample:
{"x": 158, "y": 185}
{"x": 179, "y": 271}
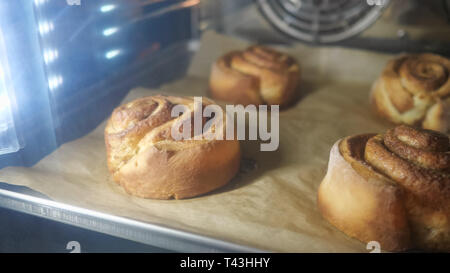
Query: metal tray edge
{"x": 147, "y": 233}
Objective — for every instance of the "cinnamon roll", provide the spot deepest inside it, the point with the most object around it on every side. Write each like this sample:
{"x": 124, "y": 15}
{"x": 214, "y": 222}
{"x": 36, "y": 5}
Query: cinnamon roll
{"x": 393, "y": 188}
{"x": 147, "y": 161}
{"x": 257, "y": 75}
{"x": 415, "y": 90}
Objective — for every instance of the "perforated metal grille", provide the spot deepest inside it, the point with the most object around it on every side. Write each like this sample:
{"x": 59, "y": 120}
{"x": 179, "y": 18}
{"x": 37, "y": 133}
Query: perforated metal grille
{"x": 322, "y": 21}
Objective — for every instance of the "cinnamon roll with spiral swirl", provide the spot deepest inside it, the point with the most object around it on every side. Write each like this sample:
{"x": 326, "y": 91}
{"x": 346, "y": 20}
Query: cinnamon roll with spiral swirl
{"x": 415, "y": 90}
{"x": 147, "y": 161}
{"x": 257, "y": 75}
{"x": 393, "y": 188}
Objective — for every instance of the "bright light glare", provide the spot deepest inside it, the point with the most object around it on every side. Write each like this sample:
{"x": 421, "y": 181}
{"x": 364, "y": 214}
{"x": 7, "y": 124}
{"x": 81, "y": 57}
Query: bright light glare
{"x": 4, "y": 108}
{"x": 39, "y": 2}
{"x": 50, "y": 55}
{"x": 110, "y": 31}
{"x": 54, "y": 82}
{"x": 112, "y": 53}
{"x": 45, "y": 27}
{"x": 107, "y": 8}
{"x": 4, "y": 102}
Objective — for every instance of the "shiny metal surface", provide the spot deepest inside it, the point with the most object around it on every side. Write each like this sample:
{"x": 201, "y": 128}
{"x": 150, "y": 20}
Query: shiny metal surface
{"x": 148, "y": 233}
{"x": 322, "y": 21}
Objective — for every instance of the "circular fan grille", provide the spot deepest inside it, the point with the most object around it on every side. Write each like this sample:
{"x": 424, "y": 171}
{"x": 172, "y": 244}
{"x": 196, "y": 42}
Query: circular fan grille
{"x": 322, "y": 21}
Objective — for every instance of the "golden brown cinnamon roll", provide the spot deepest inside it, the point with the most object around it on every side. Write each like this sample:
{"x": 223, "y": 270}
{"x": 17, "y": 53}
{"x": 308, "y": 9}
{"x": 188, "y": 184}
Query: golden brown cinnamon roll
{"x": 392, "y": 188}
{"x": 257, "y": 75}
{"x": 415, "y": 90}
{"x": 146, "y": 160}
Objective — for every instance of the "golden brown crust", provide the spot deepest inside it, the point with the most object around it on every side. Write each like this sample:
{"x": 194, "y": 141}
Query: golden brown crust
{"x": 360, "y": 202}
{"x": 425, "y": 148}
{"x": 413, "y": 162}
{"x": 413, "y": 89}
{"x": 412, "y": 166}
{"x": 257, "y": 75}
{"x": 147, "y": 162}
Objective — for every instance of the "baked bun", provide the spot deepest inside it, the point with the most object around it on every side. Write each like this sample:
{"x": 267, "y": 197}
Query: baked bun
{"x": 392, "y": 188}
{"x": 415, "y": 90}
{"x": 257, "y": 75}
{"x": 148, "y": 162}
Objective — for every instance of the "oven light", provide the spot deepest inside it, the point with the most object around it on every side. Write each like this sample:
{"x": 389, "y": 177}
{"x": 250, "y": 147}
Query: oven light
{"x": 4, "y": 108}
{"x": 45, "y": 27}
{"x": 112, "y": 53}
{"x": 39, "y": 2}
{"x": 4, "y": 103}
{"x": 107, "y": 8}
{"x": 9, "y": 142}
{"x": 50, "y": 55}
{"x": 110, "y": 31}
{"x": 54, "y": 82}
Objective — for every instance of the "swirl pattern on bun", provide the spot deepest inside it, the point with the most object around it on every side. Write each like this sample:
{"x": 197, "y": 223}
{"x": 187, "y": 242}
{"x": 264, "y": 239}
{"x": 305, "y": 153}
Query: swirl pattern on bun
{"x": 393, "y": 188}
{"x": 145, "y": 159}
{"x": 415, "y": 90}
{"x": 257, "y": 75}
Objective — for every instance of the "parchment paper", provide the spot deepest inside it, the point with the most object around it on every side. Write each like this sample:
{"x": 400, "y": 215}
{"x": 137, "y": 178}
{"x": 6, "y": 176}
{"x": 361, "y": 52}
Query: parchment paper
{"x": 272, "y": 207}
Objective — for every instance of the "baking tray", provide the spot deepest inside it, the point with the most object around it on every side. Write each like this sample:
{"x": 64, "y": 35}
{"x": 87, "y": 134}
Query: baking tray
{"x": 147, "y": 233}
{"x": 247, "y": 212}
{"x": 26, "y": 200}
